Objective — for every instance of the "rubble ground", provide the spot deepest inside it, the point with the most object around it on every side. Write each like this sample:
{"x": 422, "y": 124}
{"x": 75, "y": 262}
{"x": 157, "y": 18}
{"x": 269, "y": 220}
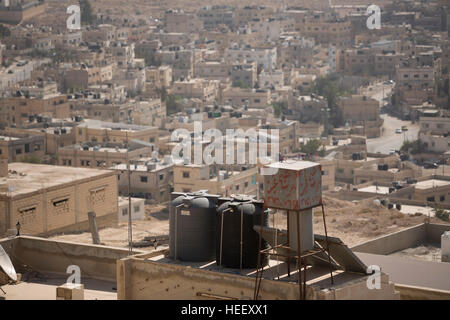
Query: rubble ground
{"x": 352, "y": 222}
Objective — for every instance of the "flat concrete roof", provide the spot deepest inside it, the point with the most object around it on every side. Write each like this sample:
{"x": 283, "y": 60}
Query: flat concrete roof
{"x": 412, "y": 272}
{"x": 426, "y": 211}
{"x": 375, "y": 189}
{"x": 29, "y": 177}
{"x": 432, "y": 183}
{"x": 45, "y": 289}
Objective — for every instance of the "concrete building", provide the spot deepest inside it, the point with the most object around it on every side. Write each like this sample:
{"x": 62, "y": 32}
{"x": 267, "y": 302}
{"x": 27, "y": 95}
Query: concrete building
{"x": 101, "y": 156}
{"x": 359, "y": 110}
{"x": 265, "y": 57}
{"x": 17, "y": 110}
{"x": 192, "y": 177}
{"x": 205, "y": 90}
{"x": 213, "y": 16}
{"x": 137, "y": 209}
{"x": 180, "y": 21}
{"x": 271, "y": 79}
{"x": 51, "y": 199}
{"x": 159, "y": 76}
{"x": 244, "y": 75}
{"x": 22, "y": 147}
{"x": 150, "y": 180}
{"x": 101, "y": 131}
{"x": 253, "y": 98}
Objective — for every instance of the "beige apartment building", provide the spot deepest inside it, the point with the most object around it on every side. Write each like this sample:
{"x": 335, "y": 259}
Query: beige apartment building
{"x": 101, "y": 131}
{"x": 99, "y": 156}
{"x": 253, "y": 98}
{"x": 159, "y": 76}
{"x": 336, "y": 33}
{"x": 51, "y": 199}
{"x": 205, "y": 90}
{"x": 22, "y": 146}
{"x": 180, "y": 21}
{"x": 359, "y": 61}
{"x": 436, "y": 190}
{"x": 359, "y": 108}
{"x": 435, "y": 133}
{"x": 435, "y": 125}
{"x": 152, "y": 180}
{"x": 328, "y": 174}
{"x": 16, "y": 110}
{"x": 192, "y": 177}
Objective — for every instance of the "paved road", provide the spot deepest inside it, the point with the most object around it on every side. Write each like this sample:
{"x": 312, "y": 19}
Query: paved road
{"x": 389, "y": 140}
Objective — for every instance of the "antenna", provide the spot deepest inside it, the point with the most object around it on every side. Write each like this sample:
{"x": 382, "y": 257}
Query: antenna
{"x": 6, "y": 265}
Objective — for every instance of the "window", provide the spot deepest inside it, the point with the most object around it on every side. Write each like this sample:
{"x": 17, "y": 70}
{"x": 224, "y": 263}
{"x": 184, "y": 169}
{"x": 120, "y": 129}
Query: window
{"x": 237, "y": 187}
{"x": 325, "y": 172}
{"x": 37, "y": 147}
{"x": 442, "y": 198}
{"x": 143, "y": 179}
{"x": 137, "y": 208}
{"x": 430, "y": 199}
{"x": 186, "y": 174}
{"x": 124, "y": 212}
{"x": 18, "y": 151}
{"x": 340, "y": 170}
{"x": 161, "y": 177}
{"x": 246, "y": 185}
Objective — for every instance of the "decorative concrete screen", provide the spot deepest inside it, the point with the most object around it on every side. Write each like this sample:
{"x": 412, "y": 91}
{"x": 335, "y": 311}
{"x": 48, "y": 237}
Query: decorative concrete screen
{"x": 297, "y": 185}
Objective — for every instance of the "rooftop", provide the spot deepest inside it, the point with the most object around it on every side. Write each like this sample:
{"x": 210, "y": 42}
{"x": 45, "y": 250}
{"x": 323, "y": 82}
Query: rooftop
{"x": 98, "y": 124}
{"x": 432, "y": 183}
{"x": 24, "y": 178}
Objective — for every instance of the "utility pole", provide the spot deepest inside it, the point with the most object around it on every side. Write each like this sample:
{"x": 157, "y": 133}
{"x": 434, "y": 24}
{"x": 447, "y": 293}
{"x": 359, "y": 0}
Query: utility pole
{"x": 130, "y": 227}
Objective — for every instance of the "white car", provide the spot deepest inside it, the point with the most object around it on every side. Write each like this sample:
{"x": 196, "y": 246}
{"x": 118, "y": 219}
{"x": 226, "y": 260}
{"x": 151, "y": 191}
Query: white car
{"x": 392, "y": 151}
{"x": 398, "y": 131}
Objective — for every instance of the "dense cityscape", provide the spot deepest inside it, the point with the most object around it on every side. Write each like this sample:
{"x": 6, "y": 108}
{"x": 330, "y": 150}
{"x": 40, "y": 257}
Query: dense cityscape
{"x": 224, "y": 150}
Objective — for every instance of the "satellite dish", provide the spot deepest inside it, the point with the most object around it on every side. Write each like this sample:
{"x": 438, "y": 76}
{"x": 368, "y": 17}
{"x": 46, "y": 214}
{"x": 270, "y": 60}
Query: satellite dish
{"x": 6, "y": 265}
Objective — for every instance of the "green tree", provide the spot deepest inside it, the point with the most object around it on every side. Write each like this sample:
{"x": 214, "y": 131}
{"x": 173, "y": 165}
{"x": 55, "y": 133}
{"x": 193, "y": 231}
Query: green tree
{"x": 414, "y": 147}
{"x": 312, "y": 147}
{"x": 87, "y": 17}
{"x": 172, "y": 104}
{"x": 331, "y": 87}
{"x": 279, "y": 108}
{"x": 442, "y": 214}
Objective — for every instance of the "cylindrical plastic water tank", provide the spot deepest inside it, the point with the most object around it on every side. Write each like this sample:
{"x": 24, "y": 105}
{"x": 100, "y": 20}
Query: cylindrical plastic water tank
{"x": 192, "y": 227}
{"x": 239, "y": 217}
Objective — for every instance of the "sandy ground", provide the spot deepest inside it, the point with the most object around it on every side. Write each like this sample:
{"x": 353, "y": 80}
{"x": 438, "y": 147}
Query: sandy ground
{"x": 352, "y": 223}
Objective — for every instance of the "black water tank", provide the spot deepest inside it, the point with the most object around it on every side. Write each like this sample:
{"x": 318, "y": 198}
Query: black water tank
{"x": 390, "y": 205}
{"x": 192, "y": 227}
{"x": 398, "y": 206}
{"x": 231, "y": 209}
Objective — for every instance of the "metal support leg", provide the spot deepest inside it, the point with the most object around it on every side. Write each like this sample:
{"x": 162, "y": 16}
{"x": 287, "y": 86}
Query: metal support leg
{"x": 299, "y": 256}
{"x": 328, "y": 246}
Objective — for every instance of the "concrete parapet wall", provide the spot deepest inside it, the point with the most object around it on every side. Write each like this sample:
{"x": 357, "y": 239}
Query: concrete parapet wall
{"x": 44, "y": 255}
{"x": 420, "y": 293}
{"x": 393, "y": 242}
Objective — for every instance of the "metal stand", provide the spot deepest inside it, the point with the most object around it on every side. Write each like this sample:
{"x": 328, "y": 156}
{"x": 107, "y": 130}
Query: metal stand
{"x": 292, "y": 253}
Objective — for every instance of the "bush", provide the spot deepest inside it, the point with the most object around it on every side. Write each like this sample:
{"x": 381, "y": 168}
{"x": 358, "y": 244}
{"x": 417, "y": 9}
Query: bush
{"x": 442, "y": 214}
